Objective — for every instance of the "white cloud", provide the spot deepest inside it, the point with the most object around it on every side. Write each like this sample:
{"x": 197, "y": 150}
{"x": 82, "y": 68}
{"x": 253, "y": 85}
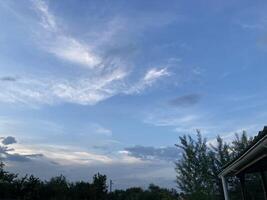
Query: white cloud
{"x": 104, "y": 131}
{"x": 51, "y": 90}
{"x": 69, "y": 155}
{"x": 84, "y": 91}
{"x": 104, "y": 77}
{"x": 95, "y": 128}
{"x": 76, "y": 164}
{"x": 165, "y": 120}
{"x": 74, "y": 51}
{"x": 152, "y": 75}
{"x": 65, "y": 47}
{"x": 48, "y": 20}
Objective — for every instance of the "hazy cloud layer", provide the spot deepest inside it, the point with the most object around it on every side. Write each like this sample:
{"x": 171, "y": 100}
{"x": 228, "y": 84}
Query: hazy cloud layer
{"x": 150, "y": 153}
{"x": 78, "y": 164}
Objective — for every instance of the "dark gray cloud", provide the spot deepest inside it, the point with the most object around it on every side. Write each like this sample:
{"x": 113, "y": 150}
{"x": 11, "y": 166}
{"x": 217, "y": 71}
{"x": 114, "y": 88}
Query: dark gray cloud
{"x": 150, "y": 153}
{"x": 186, "y": 100}
{"x": 9, "y": 140}
{"x": 8, "y": 154}
{"x": 8, "y": 78}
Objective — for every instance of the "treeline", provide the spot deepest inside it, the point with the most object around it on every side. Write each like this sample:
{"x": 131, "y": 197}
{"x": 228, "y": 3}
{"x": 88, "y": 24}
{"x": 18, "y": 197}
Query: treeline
{"x": 58, "y": 188}
{"x": 197, "y": 178}
{"x": 198, "y": 168}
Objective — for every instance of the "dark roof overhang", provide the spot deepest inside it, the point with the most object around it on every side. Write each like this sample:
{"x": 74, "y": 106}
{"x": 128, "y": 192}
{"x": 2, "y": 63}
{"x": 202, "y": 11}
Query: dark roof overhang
{"x": 252, "y": 155}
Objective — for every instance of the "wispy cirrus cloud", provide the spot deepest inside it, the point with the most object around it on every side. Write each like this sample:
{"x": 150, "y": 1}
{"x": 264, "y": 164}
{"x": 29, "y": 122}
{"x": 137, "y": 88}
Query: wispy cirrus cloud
{"x": 60, "y": 44}
{"x": 84, "y": 91}
{"x": 104, "y": 76}
{"x": 152, "y": 75}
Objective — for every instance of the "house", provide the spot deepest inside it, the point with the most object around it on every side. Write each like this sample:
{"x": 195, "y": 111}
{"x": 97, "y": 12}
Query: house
{"x": 252, "y": 160}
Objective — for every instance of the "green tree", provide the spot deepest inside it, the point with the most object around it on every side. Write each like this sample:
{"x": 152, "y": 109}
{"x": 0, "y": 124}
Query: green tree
{"x": 194, "y": 175}
{"x": 240, "y": 143}
{"x": 219, "y": 155}
{"x": 198, "y": 169}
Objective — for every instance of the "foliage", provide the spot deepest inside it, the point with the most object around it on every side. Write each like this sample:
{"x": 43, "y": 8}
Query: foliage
{"x": 194, "y": 173}
{"x": 197, "y": 170}
{"x": 59, "y": 188}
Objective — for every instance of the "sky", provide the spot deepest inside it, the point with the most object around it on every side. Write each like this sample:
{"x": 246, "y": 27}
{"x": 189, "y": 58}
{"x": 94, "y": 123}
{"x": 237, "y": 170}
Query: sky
{"x": 109, "y": 86}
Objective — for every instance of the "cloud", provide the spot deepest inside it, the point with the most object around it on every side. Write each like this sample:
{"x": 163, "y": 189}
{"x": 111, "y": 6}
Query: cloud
{"x": 9, "y": 140}
{"x": 104, "y": 131}
{"x": 46, "y": 160}
{"x": 76, "y": 164}
{"x": 152, "y": 75}
{"x": 151, "y": 153}
{"x": 170, "y": 120}
{"x": 186, "y": 100}
{"x": 84, "y": 91}
{"x": 87, "y": 91}
{"x": 105, "y": 75}
{"x": 94, "y": 129}
{"x": 10, "y": 154}
{"x": 61, "y": 45}
{"x": 123, "y": 174}
{"x": 8, "y": 78}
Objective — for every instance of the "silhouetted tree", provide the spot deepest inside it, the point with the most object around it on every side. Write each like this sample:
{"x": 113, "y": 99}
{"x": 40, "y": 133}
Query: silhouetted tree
{"x": 100, "y": 186}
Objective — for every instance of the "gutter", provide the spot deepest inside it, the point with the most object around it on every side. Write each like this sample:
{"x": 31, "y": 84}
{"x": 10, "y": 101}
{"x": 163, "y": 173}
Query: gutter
{"x": 249, "y": 153}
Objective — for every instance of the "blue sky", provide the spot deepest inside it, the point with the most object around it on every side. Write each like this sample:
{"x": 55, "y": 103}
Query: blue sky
{"x": 109, "y": 86}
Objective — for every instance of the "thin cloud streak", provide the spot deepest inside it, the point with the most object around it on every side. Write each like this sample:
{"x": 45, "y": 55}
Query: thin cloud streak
{"x": 152, "y": 76}
{"x": 84, "y": 91}
{"x": 60, "y": 44}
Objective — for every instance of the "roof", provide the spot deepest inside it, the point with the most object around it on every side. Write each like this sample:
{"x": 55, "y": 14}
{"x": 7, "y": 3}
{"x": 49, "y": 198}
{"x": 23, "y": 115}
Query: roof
{"x": 257, "y": 140}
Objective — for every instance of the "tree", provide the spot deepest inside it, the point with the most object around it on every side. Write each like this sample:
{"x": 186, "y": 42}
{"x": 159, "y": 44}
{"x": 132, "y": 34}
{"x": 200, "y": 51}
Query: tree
{"x": 100, "y": 186}
{"x": 6, "y": 182}
{"x": 194, "y": 176}
{"x": 198, "y": 169}
{"x": 219, "y": 155}
{"x": 240, "y": 143}
{"x": 57, "y": 188}
{"x": 82, "y": 190}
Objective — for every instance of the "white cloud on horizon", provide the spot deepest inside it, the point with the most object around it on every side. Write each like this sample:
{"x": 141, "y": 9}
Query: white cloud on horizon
{"x": 78, "y": 163}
